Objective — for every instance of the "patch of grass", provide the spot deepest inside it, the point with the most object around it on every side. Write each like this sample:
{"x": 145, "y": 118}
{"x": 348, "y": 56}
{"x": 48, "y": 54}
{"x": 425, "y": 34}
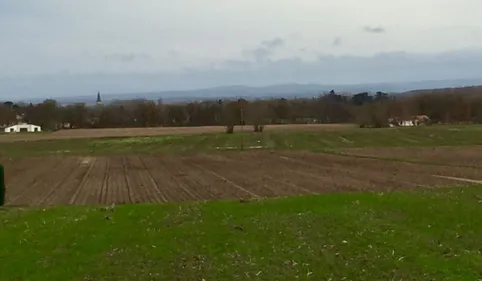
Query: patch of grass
{"x": 317, "y": 141}
{"x": 419, "y": 235}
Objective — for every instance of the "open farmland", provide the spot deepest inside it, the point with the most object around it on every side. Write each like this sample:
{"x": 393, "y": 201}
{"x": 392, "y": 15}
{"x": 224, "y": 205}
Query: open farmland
{"x": 134, "y": 179}
{"x": 406, "y": 226}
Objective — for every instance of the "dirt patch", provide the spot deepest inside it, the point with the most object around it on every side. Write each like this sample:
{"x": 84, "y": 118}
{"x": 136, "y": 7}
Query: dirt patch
{"x": 160, "y": 131}
{"x": 254, "y": 174}
{"x": 455, "y": 156}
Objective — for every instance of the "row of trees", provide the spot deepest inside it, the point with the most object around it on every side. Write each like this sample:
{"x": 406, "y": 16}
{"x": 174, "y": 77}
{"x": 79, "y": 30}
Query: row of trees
{"x": 374, "y": 109}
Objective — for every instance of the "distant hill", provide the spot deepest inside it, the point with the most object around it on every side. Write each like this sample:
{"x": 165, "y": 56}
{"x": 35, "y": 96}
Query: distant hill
{"x": 280, "y": 90}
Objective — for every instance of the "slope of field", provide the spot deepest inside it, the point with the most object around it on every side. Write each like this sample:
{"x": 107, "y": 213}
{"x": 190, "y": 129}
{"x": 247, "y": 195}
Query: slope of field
{"x": 454, "y": 156}
{"x": 422, "y": 235}
{"x": 158, "y": 131}
{"x": 308, "y": 140}
{"x": 135, "y": 179}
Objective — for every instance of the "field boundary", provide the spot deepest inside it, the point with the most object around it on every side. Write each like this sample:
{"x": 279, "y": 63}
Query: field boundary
{"x": 156, "y": 131}
{"x": 460, "y": 179}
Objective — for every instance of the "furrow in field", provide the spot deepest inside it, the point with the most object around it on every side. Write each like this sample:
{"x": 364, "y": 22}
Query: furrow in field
{"x": 118, "y": 190}
{"x": 334, "y": 178}
{"x": 128, "y": 183}
{"x": 190, "y": 176}
{"x": 21, "y": 192}
{"x": 92, "y": 188}
{"x": 62, "y": 192}
{"x": 43, "y": 190}
{"x": 32, "y": 173}
{"x": 218, "y": 187}
{"x": 82, "y": 183}
{"x": 15, "y": 168}
{"x": 282, "y": 176}
{"x": 157, "y": 191}
{"x": 268, "y": 173}
{"x": 376, "y": 173}
{"x": 105, "y": 183}
{"x": 239, "y": 175}
{"x": 174, "y": 167}
{"x": 142, "y": 188}
{"x": 162, "y": 180}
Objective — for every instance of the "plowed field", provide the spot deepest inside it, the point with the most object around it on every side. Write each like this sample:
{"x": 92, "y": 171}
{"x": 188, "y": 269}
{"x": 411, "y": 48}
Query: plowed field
{"x": 134, "y": 179}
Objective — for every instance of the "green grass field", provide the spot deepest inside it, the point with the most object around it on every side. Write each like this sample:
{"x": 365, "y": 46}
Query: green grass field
{"x": 428, "y": 234}
{"x": 316, "y": 141}
{"x": 423, "y": 235}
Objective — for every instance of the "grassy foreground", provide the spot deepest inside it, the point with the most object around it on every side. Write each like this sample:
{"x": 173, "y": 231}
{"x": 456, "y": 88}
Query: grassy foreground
{"x": 423, "y": 235}
{"x": 289, "y": 140}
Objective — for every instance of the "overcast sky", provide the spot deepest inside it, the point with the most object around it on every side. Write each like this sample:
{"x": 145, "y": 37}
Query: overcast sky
{"x": 66, "y": 47}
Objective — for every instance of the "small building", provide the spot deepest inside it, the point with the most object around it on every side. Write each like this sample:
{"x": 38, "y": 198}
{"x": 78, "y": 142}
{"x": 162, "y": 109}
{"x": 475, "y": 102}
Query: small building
{"x": 407, "y": 123}
{"x": 23, "y": 128}
{"x": 417, "y": 120}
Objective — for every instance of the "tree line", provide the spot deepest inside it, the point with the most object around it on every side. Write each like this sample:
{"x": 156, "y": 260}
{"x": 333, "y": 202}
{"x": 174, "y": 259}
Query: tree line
{"x": 451, "y": 105}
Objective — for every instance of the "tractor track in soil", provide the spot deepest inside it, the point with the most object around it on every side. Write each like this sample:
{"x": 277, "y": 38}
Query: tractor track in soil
{"x": 105, "y": 184}
{"x": 372, "y": 174}
{"x": 14, "y": 176}
{"x": 249, "y": 184}
{"x": 84, "y": 183}
{"x": 178, "y": 190}
{"x": 288, "y": 174}
{"x": 91, "y": 190}
{"x": 160, "y": 195}
{"x": 54, "y": 191}
{"x": 267, "y": 173}
{"x": 117, "y": 180}
{"x": 174, "y": 167}
{"x": 228, "y": 184}
{"x": 143, "y": 188}
{"x": 42, "y": 191}
{"x": 160, "y": 179}
{"x": 78, "y": 175}
{"x": 202, "y": 182}
{"x": 218, "y": 188}
{"x": 128, "y": 183}
{"x": 349, "y": 179}
{"x": 25, "y": 191}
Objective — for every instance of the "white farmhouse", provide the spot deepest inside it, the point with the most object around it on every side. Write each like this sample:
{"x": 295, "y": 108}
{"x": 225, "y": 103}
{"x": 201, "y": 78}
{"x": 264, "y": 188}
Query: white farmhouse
{"x": 407, "y": 123}
{"x": 23, "y": 128}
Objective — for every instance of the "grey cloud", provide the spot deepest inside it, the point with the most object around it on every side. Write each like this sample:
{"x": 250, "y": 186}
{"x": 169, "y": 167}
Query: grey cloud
{"x": 267, "y": 48}
{"x": 376, "y": 29}
{"x": 336, "y": 41}
{"x": 273, "y": 43}
{"x": 173, "y": 53}
{"x": 261, "y": 53}
{"x": 126, "y": 57}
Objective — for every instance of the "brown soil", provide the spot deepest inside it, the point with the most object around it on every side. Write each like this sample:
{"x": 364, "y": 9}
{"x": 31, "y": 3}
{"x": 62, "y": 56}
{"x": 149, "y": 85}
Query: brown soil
{"x": 454, "y": 156}
{"x": 133, "y": 179}
{"x": 130, "y": 132}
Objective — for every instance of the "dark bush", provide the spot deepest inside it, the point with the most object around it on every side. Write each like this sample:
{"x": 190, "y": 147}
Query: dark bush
{"x": 258, "y": 128}
{"x": 229, "y": 129}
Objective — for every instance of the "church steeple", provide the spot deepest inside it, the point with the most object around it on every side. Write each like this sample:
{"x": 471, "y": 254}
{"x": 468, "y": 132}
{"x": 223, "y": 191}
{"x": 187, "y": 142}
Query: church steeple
{"x": 99, "y": 100}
